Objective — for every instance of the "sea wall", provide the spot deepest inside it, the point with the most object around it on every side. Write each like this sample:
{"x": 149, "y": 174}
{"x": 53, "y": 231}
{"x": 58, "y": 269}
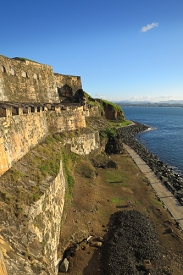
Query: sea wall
{"x": 171, "y": 179}
{"x": 20, "y": 131}
{"x": 26, "y": 81}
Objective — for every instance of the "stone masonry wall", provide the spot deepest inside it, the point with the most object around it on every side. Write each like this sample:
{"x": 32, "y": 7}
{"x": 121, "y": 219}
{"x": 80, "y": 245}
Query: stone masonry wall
{"x": 2, "y": 264}
{"x": 84, "y": 143}
{"x": 74, "y": 82}
{"x": 71, "y": 118}
{"x": 26, "y": 81}
{"x": 45, "y": 218}
{"x": 19, "y": 133}
{"x": 30, "y": 243}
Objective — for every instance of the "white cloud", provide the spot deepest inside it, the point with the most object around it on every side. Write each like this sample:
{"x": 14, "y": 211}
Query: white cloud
{"x": 149, "y": 27}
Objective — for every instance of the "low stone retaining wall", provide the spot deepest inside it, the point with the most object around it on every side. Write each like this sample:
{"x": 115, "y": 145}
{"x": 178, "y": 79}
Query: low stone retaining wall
{"x": 166, "y": 174}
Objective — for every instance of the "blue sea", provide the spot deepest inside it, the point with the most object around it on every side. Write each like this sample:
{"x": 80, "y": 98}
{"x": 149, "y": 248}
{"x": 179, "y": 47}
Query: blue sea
{"x": 165, "y": 139}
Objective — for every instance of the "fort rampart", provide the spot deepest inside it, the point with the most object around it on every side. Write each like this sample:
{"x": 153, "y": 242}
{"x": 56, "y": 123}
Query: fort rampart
{"x": 23, "y": 80}
{"x": 30, "y": 109}
{"x": 24, "y": 126}
{"x": 26, "y": 81}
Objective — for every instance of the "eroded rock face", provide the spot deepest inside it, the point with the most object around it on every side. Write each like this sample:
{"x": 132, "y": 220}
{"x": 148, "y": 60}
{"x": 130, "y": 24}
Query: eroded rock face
{"x": 114, "y": 146}
{"x": 111, "y": 110}
{"x": 112, "y": 114}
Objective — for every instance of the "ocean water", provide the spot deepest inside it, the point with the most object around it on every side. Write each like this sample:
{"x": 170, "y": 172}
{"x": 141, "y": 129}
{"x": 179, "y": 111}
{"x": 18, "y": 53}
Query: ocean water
{"x": 165, "y": 139}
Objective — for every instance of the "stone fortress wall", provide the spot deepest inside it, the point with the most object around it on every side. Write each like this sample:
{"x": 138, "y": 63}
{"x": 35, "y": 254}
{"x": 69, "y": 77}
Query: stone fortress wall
{"x": 22, "y": 80}
{"x": 30, "y": 109}
{"x": 26, "y": 81}
{"x": 22, "y": 127}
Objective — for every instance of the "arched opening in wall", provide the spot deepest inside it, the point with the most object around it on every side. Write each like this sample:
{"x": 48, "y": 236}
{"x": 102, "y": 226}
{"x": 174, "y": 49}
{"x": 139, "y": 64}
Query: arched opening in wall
{"x": 12, "y": 71}
{"x": 24, "y": 74}
{"x": 25, "y": 110}
{"x": 32, "y": 109}
{"x": 39, "y": 108}
{"x": 79, "y": 96}
{"x": 2, "y": 112}
{"x": 14, "y": 111}
{"x": 65, "y": 93}
{"x": 35, "y": 76}
{"x": 3, "y": 69}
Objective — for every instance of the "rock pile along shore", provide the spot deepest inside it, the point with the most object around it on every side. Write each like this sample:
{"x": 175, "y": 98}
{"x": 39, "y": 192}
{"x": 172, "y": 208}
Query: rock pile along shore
{"x": 132, "y": 240}
{"x": 166, "y": 174}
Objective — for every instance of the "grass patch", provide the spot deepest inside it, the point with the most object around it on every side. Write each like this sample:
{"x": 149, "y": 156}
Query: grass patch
{"x": 157, "y": 202}
{"x": 103, "y": 102}
{"x": 119, "y": 123}
{"x": 16, "y": 174}
{"x": 116, "y": 200}
{"x": 86, "y": 169}
{"x": 69, "y": 161}
{"x": 28, "y": 179}
{"x": 125, "y": 123}
{"x": 57, "y": 137}
{"x": 24, "y": 59}
{"x": 114, "y": 176}
{"x": 107, "y": 133}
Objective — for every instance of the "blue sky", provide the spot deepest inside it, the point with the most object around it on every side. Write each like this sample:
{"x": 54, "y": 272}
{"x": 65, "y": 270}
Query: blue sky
{"x": 122, "y": 49}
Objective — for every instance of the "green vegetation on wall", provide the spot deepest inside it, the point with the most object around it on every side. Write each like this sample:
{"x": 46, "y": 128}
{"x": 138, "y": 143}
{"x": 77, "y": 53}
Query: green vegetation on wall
{"x": 108, "y": 133}
{"x": 24, "y": 59}
{"x": 113, "y": 105}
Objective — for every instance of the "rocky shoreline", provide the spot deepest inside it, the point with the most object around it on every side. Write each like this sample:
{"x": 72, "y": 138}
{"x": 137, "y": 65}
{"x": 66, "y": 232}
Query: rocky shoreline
{"x": 166, "y": 174}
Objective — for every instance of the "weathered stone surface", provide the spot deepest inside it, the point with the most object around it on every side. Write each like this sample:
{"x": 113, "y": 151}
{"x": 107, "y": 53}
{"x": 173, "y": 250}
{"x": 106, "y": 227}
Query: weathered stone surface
{"x": 96, "y": 244}
{"x": 64, "y": 266}
{"x": 84, "y": 144}
{"x": 2, "y": 265}
{"x": 114, "y": 146}
{"x": 35, "y": 237}
{"x": 19, "y": 133}
{"x": 26, "y": 81}
{"x": 67, "y": 84}
{"x": 111, "y": 111}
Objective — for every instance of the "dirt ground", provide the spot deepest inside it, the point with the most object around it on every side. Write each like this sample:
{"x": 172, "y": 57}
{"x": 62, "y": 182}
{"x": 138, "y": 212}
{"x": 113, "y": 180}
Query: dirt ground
{"x": 88, "y": 215}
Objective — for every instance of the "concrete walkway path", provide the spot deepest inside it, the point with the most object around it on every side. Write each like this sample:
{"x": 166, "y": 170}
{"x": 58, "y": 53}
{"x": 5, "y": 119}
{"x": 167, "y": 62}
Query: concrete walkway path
{"x": 168, "y": 199}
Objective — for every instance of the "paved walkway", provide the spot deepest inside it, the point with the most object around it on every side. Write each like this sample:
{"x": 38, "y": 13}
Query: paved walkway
{"x": 172, "y": 204}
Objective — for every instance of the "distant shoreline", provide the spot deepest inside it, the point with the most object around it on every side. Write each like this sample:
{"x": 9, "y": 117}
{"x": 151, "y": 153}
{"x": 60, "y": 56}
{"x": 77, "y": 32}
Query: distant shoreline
{"x": 123, "y": 104}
